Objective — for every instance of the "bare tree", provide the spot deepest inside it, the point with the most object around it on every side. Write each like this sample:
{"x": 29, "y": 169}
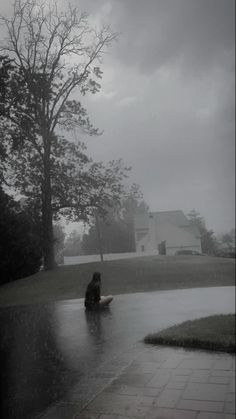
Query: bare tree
{"x": 55, "y": 54}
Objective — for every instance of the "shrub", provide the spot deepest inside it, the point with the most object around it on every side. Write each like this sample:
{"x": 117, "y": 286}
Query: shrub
{"x": 20, "y": 243}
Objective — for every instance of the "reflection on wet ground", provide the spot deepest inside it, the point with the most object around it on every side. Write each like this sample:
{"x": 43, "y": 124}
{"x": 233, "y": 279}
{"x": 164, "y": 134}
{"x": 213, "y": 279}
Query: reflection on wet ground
{"x": 33, "y": 373}
{"x": 46, "y": 350}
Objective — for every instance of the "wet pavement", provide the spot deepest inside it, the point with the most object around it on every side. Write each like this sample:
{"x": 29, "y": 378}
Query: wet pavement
{"x": 57, "y": 356}
{"x": 164, "y": 383}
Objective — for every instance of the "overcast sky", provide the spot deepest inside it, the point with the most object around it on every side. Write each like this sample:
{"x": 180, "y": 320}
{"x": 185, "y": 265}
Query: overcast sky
{"x": 167, "y": 101}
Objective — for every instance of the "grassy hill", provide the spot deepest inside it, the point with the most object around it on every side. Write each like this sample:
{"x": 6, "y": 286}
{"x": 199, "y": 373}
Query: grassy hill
{"x": 149, "y": 273}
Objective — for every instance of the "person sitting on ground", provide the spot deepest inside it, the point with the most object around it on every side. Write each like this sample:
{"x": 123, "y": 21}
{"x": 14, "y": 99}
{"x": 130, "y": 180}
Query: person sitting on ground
{"x": 93, "y": 299}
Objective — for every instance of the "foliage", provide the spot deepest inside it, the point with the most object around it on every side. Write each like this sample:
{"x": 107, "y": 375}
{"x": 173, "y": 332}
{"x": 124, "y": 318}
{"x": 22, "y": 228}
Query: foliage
{"x": 116, "y": 229}
{"x": 114, "y": 238}
{"x": 78, "y": 184}
{"x": 73, "y": 246}
{"x": 226, "y": 245}
{"x": 54, "y": 53}
{"x": 208, "y": 240}
{"x": 20, "y": 243}
{"x": 50, "y": 55}
{"x": 229, "y": 239}
{"x": 59, "y": 238}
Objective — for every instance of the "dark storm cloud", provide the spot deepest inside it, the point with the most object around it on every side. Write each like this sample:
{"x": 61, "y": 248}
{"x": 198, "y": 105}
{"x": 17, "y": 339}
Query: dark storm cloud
{"x": 195, "y": 33}
{"x": 155, "y": 33}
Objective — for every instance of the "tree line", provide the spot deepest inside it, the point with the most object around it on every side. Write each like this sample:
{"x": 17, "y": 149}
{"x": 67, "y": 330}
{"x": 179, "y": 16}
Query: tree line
{"x": 118, "y": 234}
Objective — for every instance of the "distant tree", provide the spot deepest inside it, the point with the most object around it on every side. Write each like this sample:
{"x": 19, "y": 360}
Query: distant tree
{"x": 208, "y": 240}
{"x": 113, "y": 235}
{"x": 73, "y": 245}
{"x": 228, "y": 240}
{"x": 116, "y": 228}
{"x": 48, "y": 56}
{"x": 59, "y": 238}
{"x": 20, "y": 242}
{"x": 131, "y": 205}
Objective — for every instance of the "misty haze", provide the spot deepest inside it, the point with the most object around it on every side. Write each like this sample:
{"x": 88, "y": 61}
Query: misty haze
{"x": 117, "y": 209}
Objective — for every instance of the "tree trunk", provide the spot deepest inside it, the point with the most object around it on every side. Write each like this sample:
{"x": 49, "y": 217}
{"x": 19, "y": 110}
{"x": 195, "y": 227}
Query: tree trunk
{"x": 99, "y": 237}
{"x": 48, "y": 240}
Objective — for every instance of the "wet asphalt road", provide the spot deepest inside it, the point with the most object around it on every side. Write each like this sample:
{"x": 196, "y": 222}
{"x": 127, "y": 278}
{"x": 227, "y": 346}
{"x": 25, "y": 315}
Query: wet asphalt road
{"x": 47, "y": 349}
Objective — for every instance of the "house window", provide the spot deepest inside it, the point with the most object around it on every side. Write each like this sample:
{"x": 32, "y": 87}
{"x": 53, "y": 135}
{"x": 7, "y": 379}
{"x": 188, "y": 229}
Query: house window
{"x": 142, "y": 248}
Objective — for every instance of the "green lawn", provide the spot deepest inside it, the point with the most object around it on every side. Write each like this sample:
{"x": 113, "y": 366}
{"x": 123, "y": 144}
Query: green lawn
{"x": 214, "y": 333}
{"x": 120, "y": 277}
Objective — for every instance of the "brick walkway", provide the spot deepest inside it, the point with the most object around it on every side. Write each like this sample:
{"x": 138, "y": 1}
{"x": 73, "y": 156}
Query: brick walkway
{"x": 165, "y": 383}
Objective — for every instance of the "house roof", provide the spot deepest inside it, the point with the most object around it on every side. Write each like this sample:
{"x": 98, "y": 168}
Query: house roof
{"x": 176, "y": 218}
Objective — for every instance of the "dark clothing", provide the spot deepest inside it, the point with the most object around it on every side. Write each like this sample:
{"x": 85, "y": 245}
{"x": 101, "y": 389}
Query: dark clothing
{"x": 92, "y": 296}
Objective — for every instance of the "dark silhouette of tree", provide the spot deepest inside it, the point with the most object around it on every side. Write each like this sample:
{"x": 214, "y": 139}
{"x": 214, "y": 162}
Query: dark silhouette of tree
{"x": 50, "y": 55}
{"x": 20, "y": 242}
{"x": 116, "y": 228}
{"x": 208, "y": 240}
{"x": 59, "y": 242}
{"x": 229, "y": 239}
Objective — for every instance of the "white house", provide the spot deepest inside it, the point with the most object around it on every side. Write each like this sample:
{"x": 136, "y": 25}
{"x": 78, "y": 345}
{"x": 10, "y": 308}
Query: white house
{"x": 165, "y": 232}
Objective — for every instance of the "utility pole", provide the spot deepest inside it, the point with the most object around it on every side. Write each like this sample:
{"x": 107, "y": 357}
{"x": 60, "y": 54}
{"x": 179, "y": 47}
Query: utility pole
{"x": 99, "y": 236}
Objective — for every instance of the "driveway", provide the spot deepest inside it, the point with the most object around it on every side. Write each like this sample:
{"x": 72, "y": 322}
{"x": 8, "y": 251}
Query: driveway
{"x": 56, "y": 352}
